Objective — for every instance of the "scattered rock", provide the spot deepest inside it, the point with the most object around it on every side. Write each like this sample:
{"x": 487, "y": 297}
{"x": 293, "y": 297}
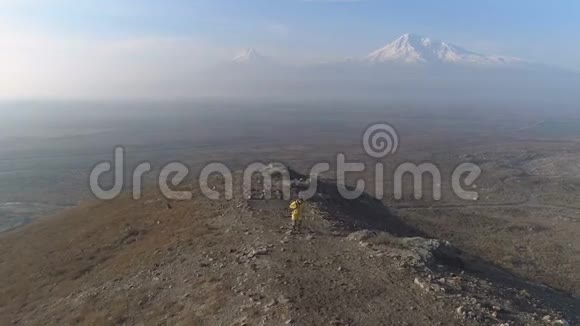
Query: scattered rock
{"x": 461, "y": 311}
{"x": 429, "y": 286}
{"x": 421, "y": 284}
{"x": 270, "y": 304}
{"x": 283, "y": 300}
{"x": 361, "y": 235}
{"x": 258, "y": 252}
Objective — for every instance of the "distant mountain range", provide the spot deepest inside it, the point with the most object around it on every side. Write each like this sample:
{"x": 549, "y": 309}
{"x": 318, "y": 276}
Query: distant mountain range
{"x": 411, "y": 69}
{"x": 408, "y": 49}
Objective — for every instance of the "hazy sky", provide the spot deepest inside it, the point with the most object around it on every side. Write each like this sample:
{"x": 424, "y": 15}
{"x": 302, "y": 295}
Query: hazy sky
{"x": 85, "y": 48}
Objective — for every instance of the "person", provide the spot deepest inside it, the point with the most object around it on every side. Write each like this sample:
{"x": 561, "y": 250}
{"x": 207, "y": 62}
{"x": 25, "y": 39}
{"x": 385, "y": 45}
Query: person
{"x": 296, "y": 207}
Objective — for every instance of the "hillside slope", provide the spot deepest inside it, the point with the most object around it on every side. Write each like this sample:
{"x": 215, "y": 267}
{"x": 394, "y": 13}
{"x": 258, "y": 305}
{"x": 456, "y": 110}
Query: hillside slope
{"x": 204, "y": 262}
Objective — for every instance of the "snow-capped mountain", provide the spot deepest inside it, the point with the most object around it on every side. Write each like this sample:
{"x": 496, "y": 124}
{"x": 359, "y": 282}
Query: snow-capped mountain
{"x": 407, "y": 49}
{"x": 412, "y": 68}
{"x": 412, "y": 49}
{"x": 250, "y": 56}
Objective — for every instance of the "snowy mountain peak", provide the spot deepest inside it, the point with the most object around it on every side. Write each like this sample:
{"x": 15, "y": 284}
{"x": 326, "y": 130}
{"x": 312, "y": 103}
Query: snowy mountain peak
{"x": 410, "y": 38}
{"x": 248, "y": 56}
{"x": 413, "y": 48}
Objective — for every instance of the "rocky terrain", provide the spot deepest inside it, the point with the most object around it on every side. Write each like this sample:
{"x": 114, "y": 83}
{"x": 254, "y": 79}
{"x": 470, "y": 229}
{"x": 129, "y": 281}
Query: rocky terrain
{"x": 204, "y": 262}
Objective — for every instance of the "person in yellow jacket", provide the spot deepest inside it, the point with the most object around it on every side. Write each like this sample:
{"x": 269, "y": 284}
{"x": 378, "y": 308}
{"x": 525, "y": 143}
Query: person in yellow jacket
{"x": 296, "y": 207}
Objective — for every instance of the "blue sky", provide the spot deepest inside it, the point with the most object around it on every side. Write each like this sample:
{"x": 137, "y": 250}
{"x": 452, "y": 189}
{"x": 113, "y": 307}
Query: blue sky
{"x": 542, "y": 31}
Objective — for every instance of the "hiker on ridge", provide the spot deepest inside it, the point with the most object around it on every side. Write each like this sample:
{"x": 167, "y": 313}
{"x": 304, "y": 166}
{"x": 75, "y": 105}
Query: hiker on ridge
{"x": 296, "y": 207}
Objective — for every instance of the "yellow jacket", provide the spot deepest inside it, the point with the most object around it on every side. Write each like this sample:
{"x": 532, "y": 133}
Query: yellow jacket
{"x": 296, "y": 210}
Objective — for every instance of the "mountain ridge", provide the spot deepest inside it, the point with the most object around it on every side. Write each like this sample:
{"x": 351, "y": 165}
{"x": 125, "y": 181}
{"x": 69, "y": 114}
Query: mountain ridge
{"x": 234, "y": 262}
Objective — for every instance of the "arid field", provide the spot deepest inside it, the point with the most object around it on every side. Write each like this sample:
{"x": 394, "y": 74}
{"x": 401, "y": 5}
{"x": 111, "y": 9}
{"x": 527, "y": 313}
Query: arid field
{"x": 516, "y": 253}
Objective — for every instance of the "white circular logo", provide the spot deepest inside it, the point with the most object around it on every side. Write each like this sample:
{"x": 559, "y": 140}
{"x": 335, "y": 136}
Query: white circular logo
{"x": 380, "y": 140}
